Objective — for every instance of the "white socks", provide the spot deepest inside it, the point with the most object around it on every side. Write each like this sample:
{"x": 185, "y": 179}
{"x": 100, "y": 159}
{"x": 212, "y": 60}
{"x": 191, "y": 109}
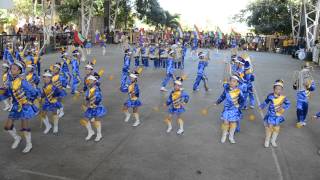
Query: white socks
{"x": 47, "y": 125}
{"x": 127, "y": 116}
{"x": 28, "y": 147}
{"x": 90, "y": 131}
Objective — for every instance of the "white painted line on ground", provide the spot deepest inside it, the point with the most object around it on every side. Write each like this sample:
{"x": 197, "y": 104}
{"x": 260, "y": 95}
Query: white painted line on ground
{"x": 274, "y": 155}
{"x": 43, "y": 174}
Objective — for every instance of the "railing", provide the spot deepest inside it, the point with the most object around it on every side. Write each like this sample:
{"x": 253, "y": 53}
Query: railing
{"x": 56, "y": 41}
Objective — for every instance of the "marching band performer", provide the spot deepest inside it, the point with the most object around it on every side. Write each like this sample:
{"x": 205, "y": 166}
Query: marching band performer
{"x": 94, "y": 109}
{"x": 145, "y": 55}
{"x": 169, "y": 71}
{"x": 248, "y": 79}
{"x": 50, "y": 95}
{"x": 152, "y": 54}
{"x": 75, "y": 72}
{"x": 7, "y": 56}
{"x": 6, "y": 77}
{"x": 23, "y": 109}
{"x": 231, "y": 115}
{"x": 31, "y": 75}
{"x": 176, "y": 102}
{"x": 65, "y": 68}
{"x": 136, "y": 54}
{"x": 125, "y": 70}
{"x": 133, "y": 101}
{"x": 278, "y": 103}
{"x": 88, "y": 46}
{"x": 163, "y": 55}
{"x": 203, "y": 63}
{"x": 59, "y": 81}
{"x": 303, "y": 95}
{"x": 88, "y": 72}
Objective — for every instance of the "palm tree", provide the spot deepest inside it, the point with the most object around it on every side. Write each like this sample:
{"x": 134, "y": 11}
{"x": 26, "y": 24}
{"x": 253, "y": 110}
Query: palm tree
{"x": 171, "y": 20}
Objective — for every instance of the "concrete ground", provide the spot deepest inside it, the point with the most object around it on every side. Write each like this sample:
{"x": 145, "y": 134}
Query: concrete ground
{"x": 148, "y": 153}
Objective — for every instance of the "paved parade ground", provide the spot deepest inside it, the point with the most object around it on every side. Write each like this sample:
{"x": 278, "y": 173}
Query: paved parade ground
{"x": 147, "y": 152}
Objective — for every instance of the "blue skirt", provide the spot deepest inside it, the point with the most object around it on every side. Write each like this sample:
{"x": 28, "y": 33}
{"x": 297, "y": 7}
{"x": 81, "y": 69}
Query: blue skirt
{"x": 176, "y": 111}
{"x": 232, "y": 115}
{"x": 99, "y": 111}
{"x": 63, "y": 93}
{"x": 51, "y": 106}
{"x": 132, "y": 103}
{"x": 273, "y": 119}
{"x": 28, "y": 111}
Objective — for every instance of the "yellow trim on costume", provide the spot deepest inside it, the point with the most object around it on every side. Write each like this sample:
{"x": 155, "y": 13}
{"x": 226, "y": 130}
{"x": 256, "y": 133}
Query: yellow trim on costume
{"x": 49, "y": 93}
{"x": 233, "y": 125}
{"x": 168, "y": 120}
{"x": 101, "y": 72}
{"x": 4, "y": 77}
{"x": 83, "y": 122}
{"x": 97, "y": 124}
{"x": 176, "y": 98}
{"x": 225, "y": 127}
{"x": 234, "y": 94}
{"x": 278, "y": 101}
{"x": 276, "y": 129}
{"x": 92, "y": 97}
{"x": 29, "y": 77}
{"x": 56, "y": 81}
{"x": 132, "y": 92}
{"x": 18, "y": 92}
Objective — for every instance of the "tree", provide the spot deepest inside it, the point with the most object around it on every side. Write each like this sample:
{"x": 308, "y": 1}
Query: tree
{"x": 69, "y": 11}
{"x": 267, "y": 17}
{"x": 125, "y": 16}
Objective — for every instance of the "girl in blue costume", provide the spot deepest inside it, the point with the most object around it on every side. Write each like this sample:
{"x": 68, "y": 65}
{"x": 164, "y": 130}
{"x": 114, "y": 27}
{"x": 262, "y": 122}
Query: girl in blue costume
{"x": 65, "y": 67}
{"x": 303, "y": 95}
{"x": 125, "y": 70}
{"x": 94, "y": 109}
{"x": 136, "y": 54}
{"x": 32, "y": 76}
{"x": 169, "y": 71}
{"x": 203, "y": 63}
{"x": 59, "y": 81}
{"x": 22, "y": 93}
{"x": 231, "y": 114}
{"x": 89, "y": 71}
{"x": 6, "y": 77}
{"x": 176, "y": 102}
{"x": 133, "y": 101}
{"x": 248, "y": 79}
{"x": 145, "y": 55}
{"x": 75, "y": 72}
{"x": 50, "y": 103}
{"x": 278, "y": 103}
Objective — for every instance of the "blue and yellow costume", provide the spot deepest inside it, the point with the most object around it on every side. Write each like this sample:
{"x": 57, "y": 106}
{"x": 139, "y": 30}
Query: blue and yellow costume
{"x": 302, "y": 102}
{"x": 145, "y": 56}
{"x": 23, "y": 94}
{"x": 134, "y": 93}
{"x": 125, "y": 71}
{"x": 32, "y": 77}
{"x": 65, "y": 68}
{"x": 203, "y": 63}
{"x": 248, "y": 79}
{"x": 169, "y": 71}
{"x": 233, "y": 103}
{"x": 7, "y": 56}
{"x": 277, "y": 106}
{"x": 75, "y": 73}
{"x": 176, "y": 100}
{"x": 50, "y": 95}
{"x": 163, "y": 56}
{"x": 136, "y": 55}
{"x": 95, "y": 108}
{"x": 194, "y": 42}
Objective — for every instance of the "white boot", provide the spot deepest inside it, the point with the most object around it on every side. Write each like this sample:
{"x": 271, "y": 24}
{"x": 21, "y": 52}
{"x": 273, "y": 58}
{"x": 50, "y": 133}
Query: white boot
{"x": 6, "y": 105}
{"x": 128, "y": 115}
{"x": 47, "y": 125}
{"x": 163, "y": 89}
{"x": 231, "y": 135}
{"x": 28, "y": 142}
{"x": 137, "y": 122}
{"x": 16, "y": 137}
{"x": 224, "y": 136}
{"x": 90, "y": 131}
{"x": 268, "y": 135}
{"x": 55, "y": 124}
{"x": 61, "y": 112}
{"x": 169, "y": 127}
{"x": 274, "y": 138}
{"x": 180, "y": 130}
{"x": 103, "y": 51}
{"x": 99, "y": 135}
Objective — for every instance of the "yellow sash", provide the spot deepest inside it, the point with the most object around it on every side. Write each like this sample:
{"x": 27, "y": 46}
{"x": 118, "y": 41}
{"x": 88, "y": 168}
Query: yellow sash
{"x": 278, "y": 101}
{"x": 176, "y": 98}
{"x": 234, "y": 94}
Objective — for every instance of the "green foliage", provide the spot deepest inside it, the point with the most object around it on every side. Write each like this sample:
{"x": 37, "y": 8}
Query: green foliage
{"x": 69, "y": 11}
{"x": 125, "y": 18}
{"x": 152, "y": 13}
{"x": 267, "y": 17}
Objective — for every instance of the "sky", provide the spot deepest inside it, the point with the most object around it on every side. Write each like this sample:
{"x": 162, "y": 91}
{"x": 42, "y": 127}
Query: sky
{"x": 207, "y": 14}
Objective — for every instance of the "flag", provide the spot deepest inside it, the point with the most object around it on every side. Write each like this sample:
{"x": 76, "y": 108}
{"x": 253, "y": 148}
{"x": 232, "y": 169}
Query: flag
{"x": 219, "y": 33}
{"x": 78, "y": 38}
